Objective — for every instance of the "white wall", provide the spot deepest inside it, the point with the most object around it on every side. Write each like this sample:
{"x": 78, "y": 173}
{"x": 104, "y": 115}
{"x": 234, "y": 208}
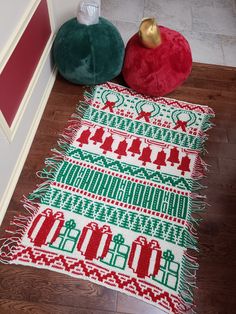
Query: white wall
{"x": 65, "y": 10}
{"x": 13, "y": 153}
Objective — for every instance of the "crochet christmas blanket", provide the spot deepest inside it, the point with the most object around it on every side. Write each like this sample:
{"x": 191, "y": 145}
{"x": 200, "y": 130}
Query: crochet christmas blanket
{"x": 118, "y": 199}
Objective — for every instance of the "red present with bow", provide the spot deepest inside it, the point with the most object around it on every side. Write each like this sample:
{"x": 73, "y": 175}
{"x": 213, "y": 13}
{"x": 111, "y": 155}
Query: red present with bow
{"x": 145, "y": 257}
{"x": 46, "y": 227}
{"x": 94, "y": 241}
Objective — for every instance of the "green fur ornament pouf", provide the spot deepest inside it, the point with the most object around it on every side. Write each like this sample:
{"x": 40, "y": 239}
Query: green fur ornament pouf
{"x": 88, "y": 54}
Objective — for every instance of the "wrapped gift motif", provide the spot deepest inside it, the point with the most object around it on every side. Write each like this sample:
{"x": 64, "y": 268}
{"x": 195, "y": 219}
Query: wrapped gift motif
{"x": 145, "y": 257}
{"x": 118, "y": 253}
{"x": 169, "y": 271}
{"x": 68, "y": 237}
{"x": 94, "y": 241}
{"x": 46, "y": 227}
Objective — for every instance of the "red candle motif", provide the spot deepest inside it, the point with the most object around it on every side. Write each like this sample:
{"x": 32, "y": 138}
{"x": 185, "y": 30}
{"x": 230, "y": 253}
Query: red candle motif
{"x": 121, "y": 149}
{"x": 146, "y": 155}
{"x": 97, "y": 137}
{"x": 94, "y": 241}
{"x": 184, "y": 165}
{"x": 46, "y": 227}
{"x": 84, "y": 137}
{"x": 135, "y": 147}
{"x": 145, "y": 257}
{"x": 174, "y": 156}
{"x": 160, "y": 160}
{"x": 107, "y": 145}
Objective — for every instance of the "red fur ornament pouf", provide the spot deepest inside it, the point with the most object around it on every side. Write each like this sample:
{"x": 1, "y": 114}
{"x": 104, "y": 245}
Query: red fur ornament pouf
{"x": 157, "y": 71}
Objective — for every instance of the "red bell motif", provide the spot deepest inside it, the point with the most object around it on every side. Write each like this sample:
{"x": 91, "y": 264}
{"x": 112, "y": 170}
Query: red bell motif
{"x": 161, "y": 159}
{"x": 146, "y": 155}
{"x": 145, "y": 257}
{"x": 121, "y": 149}
{"x": 107, "y": 144}
{"x": 135, "y": 146}
{"x": 174, "y": 156}
{"x": 84, "y": 136}
{"x": 184, "y": 165}
{"x": 97, "y": 137}
{"x": 94, "y": 241}
{"x": 46, "y": 227}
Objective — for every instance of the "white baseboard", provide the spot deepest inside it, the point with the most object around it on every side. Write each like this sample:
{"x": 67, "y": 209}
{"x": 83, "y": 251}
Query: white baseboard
{"x": 5, "y": 200}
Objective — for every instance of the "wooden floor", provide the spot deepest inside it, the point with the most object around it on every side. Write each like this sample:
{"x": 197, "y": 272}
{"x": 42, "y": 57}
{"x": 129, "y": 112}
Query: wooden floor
{"x": 30, "y": 290}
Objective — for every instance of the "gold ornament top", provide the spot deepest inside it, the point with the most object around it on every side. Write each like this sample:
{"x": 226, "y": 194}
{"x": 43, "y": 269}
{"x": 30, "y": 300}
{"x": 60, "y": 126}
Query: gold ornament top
{"x": 149, "y": 33}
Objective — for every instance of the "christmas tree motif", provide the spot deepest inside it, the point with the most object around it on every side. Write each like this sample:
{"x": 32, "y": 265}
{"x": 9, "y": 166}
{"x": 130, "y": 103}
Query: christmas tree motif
{"x": 94, "y": 241}
{"x": 135, "y": 146}
{"x": 57, "y": 200}
{"x": 84, "y": 137}
{"x": 79, "y": 207}
{"x": 67, "y": 203}
{"x": 168, "y": 274}
{"x": 113, "y": 218}
{"x": 171, "y": 235}
{"x": 136, "y": 224}
{"x": 121, "y": 149}
{"x": 125, "y": 223}
{"x": 166, "y": 137}
{"x": 100, "y": 213}
{"x": 145, "y": 257}
{"x": 159, "y": 231}
{"x": 46, "y": 227}
{"x": 68, "y": 237}
{"x": 90, "y": 210}
{"x": 160, "y": 160}
{"x": 107, "y": 144}
{"x": 174, "y": 156}
{"x": 148, "y": 227}
{"x": 118, "y": 253}
{"x": 177, "y": 138}
{"x": 146, "y": 155}
{"x": 97, "y": 137}
{"x": 184, "y": 165}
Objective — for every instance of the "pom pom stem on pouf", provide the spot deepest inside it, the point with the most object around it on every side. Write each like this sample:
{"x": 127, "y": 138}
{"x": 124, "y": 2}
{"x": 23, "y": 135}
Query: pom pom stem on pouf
{"x": 88, "y": 54}
{"x": 157, "y": 71}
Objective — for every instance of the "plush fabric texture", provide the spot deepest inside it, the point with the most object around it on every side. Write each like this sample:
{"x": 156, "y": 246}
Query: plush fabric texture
{"x": 90, "y": 54}
{"x": 158, "y": 71}
{"x": 118, "y": 202}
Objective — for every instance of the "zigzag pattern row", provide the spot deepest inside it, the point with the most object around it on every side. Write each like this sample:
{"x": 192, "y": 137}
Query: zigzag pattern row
{"x": 100, "y": 274}
{"x": 139, "y": 172}
{"x": 169, "y": 102}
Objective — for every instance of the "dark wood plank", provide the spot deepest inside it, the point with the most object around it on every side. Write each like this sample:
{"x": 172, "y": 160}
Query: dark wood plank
{"x": 31, "y": 290}
{"x": 19, "y": 307}
{"x": 43, "y": 286}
